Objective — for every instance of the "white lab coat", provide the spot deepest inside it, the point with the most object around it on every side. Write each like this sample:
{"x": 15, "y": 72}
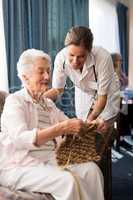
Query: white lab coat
{"x": 85, "y": 83}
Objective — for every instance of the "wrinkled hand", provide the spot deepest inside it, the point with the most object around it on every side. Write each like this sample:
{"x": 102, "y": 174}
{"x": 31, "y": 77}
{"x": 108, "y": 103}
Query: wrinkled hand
{"x": 73, "y": 126}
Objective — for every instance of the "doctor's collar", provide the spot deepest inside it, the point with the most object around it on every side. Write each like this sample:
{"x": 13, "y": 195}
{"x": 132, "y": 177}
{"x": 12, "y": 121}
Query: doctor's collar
{"x": 90, "y": 61}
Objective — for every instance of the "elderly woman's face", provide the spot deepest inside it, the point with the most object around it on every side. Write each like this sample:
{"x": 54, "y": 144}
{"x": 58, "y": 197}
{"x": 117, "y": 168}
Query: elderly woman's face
{"x": 77, "y": 56}
{"x": 40, "y": 76}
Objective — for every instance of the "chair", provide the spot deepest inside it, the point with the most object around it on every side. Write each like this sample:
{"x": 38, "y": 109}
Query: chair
{"x": 3, "y": 95}
{"x": 105, "y": 165}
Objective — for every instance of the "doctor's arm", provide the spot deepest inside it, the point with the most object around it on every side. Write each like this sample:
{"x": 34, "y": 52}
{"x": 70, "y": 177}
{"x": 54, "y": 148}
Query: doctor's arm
{"x": 97, "y": 108}
{"x": 105, "y": 75}
{"x": 53, "y": 93}
{"x": 58, "y": 79}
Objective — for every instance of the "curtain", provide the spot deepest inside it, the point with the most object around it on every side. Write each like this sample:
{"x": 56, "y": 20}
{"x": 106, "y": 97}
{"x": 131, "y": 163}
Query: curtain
{"x": 122, "y": 21}
{"x": 25, "y": 23}
{"x": 62, "y": 15}
{"x": 40, "y": 24}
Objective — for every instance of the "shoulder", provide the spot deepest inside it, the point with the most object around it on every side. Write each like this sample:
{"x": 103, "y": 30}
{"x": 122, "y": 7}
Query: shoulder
{"x": 15, "y": 97}
{"x": 102, "y": 57}
{"x": 61, "y": 55}
{"x": 100, "y": 52}
{"x": 13, "y": 102}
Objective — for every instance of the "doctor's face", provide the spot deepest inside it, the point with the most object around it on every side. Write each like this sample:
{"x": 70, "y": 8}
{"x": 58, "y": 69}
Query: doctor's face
{"x": 77, "y": 56}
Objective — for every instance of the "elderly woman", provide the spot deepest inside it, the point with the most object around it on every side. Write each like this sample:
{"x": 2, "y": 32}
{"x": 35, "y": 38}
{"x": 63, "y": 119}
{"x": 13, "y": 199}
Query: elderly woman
{"x": 30, "y": 124}
{"x": 117, "y": 62}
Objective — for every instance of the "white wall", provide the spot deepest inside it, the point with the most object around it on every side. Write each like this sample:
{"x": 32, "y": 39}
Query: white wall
{"x": 105, "y": 31}
{"x": 3, "y": 64}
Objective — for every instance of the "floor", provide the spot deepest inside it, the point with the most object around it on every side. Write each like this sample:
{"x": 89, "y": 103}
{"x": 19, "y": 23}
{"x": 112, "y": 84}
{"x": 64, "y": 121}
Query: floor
{"x": 122, "y": 173}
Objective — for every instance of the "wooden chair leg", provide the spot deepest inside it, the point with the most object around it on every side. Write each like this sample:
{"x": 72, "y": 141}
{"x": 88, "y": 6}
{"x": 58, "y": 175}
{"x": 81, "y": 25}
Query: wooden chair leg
{"x": 106, "y": 167}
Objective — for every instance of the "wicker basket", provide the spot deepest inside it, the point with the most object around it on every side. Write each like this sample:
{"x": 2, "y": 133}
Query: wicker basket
{"x": 80, "y": 148}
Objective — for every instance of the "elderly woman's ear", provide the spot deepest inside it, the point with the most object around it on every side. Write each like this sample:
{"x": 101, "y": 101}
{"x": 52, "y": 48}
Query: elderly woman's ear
{"x": 25, "y": 78}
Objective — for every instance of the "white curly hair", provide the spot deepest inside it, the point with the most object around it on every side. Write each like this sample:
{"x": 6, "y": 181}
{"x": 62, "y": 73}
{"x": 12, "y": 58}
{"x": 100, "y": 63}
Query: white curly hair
{"x": 26, "y": 61}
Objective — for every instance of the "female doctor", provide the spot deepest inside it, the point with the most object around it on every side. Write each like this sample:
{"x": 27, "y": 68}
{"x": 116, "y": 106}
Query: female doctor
{"x": 91, "y": 71}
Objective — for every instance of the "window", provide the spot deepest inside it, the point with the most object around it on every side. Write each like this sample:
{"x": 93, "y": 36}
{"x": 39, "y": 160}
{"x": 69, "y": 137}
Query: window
{"x": 104, "y": 24}
{"x": 3, "y": 64}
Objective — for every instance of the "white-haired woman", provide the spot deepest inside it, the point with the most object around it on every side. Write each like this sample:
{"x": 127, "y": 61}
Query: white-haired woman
{"x": 30, "y": 123}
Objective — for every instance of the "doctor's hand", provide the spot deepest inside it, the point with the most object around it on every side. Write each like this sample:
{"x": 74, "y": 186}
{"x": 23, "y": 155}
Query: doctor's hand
{"x": 102, "y": 126}
{"x": 93, "y": 125}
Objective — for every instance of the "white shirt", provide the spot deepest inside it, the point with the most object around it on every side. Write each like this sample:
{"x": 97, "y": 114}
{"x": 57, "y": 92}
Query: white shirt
{"x": 19, "y": 122}
{"x": 85, "y": 83}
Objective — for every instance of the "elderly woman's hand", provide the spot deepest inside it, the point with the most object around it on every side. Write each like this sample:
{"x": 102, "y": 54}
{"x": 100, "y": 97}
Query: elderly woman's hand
{"x": 72, "y": 126}
{"x": 100, "y": 124}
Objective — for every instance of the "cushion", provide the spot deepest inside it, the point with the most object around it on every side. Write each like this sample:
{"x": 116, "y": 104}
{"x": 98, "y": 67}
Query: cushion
{"x": 3, "y": 95}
